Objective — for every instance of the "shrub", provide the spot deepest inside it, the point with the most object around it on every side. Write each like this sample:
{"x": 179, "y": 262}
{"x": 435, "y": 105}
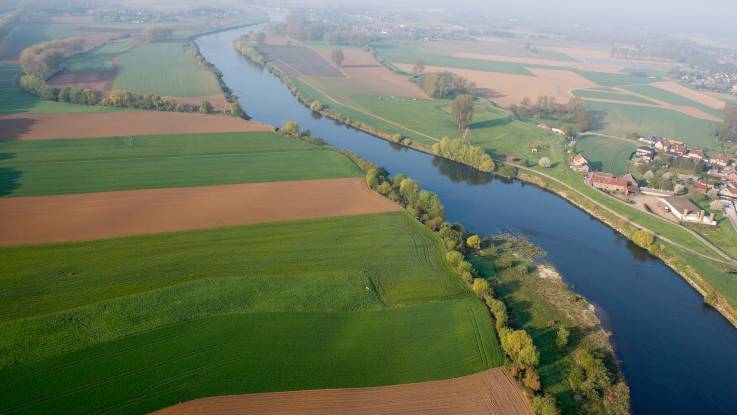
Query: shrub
{"x": 480, "y": 286}
{"x": 290, "y": 128}
{"x": 474, "y": 242}
{"x": 545, "y": 405}
{"x": 561, "y": 337}
{"x": 544, "y": 162}
{"x": 316, "y": 106}
{"x": 454, "y": 257}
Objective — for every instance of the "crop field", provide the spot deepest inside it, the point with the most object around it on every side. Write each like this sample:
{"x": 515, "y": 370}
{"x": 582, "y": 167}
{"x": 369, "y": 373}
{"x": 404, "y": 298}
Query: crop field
{"x": 167, "y": 69}
{"x": 606, "y": 154}
{"x": 611, "y": 96}
{"x": 127, "y": 123}
{"x": 14, "y": 100}
{"x": 100, "y": 58}
{"x": 300, "y": 61}
{"x": 497, "y": 46}
{"x": 488, "y": 392}
{"x": 46, "y": 167}
{"x": 672, "y": 98}
{"x": 622, "y": 119}
{"x": 63, "y": 218}
{"x": 193, "y": 320}
{"x": 26, "y": 34}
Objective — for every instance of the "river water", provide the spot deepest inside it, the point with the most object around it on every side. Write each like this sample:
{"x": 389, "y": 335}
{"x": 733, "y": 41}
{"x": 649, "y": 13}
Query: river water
{"x": 678, "y": 355}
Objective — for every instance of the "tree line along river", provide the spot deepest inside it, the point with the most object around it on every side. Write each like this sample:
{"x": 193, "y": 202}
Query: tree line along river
{"x": 678, "y": 355}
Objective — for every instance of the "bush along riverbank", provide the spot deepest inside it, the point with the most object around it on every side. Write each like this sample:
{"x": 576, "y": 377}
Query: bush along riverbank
{"x": 576, "y": 371}
{"x": 659, "y": 249}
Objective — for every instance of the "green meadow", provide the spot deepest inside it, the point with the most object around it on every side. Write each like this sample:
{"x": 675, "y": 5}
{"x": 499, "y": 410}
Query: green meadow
{"x": 26, "y": 34}
{"x": 100, "y": 58}
{"x": 44, "y": 167}
{"x": 606, "y": 154}
{"x": 623, "y": 119}
{"x": 167, "y": 69}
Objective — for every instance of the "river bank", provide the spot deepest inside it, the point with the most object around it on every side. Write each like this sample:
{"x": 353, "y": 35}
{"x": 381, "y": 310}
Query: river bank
{"x": 595, "y": 209}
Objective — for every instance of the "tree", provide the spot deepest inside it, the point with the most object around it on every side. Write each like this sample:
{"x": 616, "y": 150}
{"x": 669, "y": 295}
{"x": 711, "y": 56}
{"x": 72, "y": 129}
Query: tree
{"x": 480, "y": 286}
{"x": 260, "y": 38}
{"x": 419, "y": 67}
{"x": 545, "y": 405}
{"x": 205, "y": 107}
{"x": 337, "y": 56}
{"x": 461, "y": 109}
{"x": 643, "y": 238}
{"x": 474, "y": 242}
{"x": 532, "y": 380}
{"x": 544, "y": 162}
{"x": 517, "y": 344}
{"x": 728, "y": 131}
{"x": 589, "y": 377}
{"x": 290, "y": 128}
{"x": 316, "y": 106}
{"x": 561, "y": 337}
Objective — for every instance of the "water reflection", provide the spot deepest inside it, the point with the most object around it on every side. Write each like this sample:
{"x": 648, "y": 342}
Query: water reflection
{"x": 458, "y": 173}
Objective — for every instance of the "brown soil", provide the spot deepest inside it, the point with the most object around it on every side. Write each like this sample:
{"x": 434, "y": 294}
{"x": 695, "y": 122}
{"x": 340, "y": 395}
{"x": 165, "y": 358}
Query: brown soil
{"x": 99, "y": 80}
{"x": 298, "y": 61}
{"x": 594, "y": 67}
{"x": 108, "y": 124}
{"x": 365, "y": 75}
{"x": 510, "y": 89}
{"x": 488, "y": 392}
{"x": 689, "y": 93}
{"x": 62, "y": 218}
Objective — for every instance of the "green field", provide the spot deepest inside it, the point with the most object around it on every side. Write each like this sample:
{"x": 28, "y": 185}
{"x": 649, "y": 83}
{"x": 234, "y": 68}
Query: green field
{"x": 601, "y": 94}
{"x": 26, "y": 34}
{"x": 43, "y": 167}
{"x": 100, "y": 58}
{"x": 167, "y": 69}
{"x": 208, "y": 312}
{"x": 606, "y": 154}
{"x": 622, "y": 119}
{"x": 671, "y": 98}
{"x": 14, "y": 100}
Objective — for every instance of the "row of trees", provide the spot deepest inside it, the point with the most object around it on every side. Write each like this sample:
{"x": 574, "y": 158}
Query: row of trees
{"x": 728, "y": 131}
{"x": 548, "y": 108}
{"x": 46, "y": 58}
{"x": 38, "y": 87}
{"x": 446, "y": 85}
{"x": 459, "y": 150}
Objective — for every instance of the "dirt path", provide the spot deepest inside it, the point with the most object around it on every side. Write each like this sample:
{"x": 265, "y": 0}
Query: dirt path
{"x": 63, "y": 218}
{"x": 488, "y": 392}
{"x": 109, "y": 124}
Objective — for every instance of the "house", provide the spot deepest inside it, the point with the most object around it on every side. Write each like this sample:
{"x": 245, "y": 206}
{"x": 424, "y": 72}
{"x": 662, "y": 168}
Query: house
{"x": 608, "y": 183}
{"x": 729, "y": 191}
{"x": 662, "y": 144}
{"x": 645, "y": 153}
{"x": 650, "y": 141}
{"x": 686, "y": 211}
{"x": 720, "y": 160}
{"x": 679, "y": 149}
{"x": 580, "y": 164}
{"x": 696, "y": 154}
{"x": 700, "y": 187}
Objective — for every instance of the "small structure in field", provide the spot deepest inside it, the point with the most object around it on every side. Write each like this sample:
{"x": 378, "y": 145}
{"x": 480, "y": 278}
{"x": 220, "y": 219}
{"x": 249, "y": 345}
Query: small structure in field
{"x": 686, "y": 211}
{"x": 580, "y": 164}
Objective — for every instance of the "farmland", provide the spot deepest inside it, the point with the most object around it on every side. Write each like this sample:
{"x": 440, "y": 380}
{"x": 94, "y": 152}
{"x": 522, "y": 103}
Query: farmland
{"x": 622, "y": 119}
{"x": 45, "y": 167}
{"x": 89, "y": 125}
{"x": 14, "y": 100}
{"x": 499, "y": 396}
{"x": 611, "y": 96}
{"x": 24, "y": 35}
{"x": 300, "y": 61}
{"x": 605, "y": 154}
{"x": 114, "y": 214}
{"x": 167, "y": 69}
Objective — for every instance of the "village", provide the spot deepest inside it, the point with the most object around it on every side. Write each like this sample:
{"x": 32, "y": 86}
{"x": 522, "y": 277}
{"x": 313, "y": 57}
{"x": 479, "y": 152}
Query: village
{"x": 696, "y": 196}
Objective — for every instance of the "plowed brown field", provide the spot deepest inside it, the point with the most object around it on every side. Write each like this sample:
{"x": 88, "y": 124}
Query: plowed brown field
{"x": 108, "y": 124}
{"x": 489, "y": 392}
{"x": 44, "y": 219}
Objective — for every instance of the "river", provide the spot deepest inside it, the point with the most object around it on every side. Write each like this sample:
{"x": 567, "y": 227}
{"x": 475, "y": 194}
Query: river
{"x": 678, "y": 355}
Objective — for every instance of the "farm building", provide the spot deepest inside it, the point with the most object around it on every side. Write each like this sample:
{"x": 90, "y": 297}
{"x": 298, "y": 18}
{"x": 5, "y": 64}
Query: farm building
{"x": 580, "y": 164}
{"x": 696, "y": 154}
{"x": 720, "y": 160}
{"x": 645, "y": 153}
{"x": 685, "y": 210}
{"x": 700, "y": 187}
{"x": 608, "y": 182}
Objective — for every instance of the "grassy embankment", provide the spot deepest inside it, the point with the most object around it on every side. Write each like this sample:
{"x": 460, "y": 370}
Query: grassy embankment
{"x": 44, "y": 167}
{"x": 498, "y": 141}
{"x": 169, "y": 317}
